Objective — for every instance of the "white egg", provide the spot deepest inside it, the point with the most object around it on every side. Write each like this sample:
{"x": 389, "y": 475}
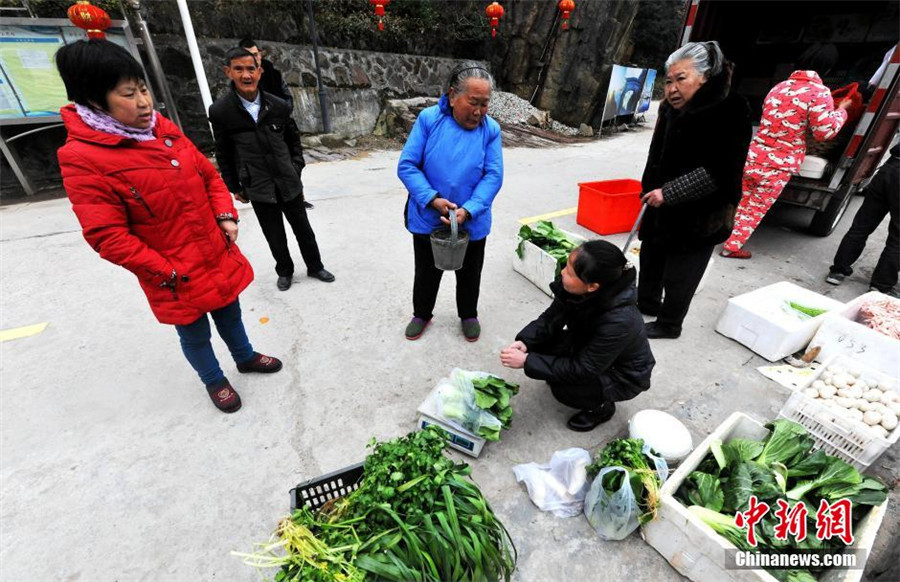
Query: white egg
{"x": 888, "y": 397}
{"x": 845, "y": 402}
{"x": 827, "y": 391}
{"x": 855, "y": 414}
{"x": 864, "y": 405}
{"x": 838, "y": 382}
{"x": 818, "y": 385}
{"x": 889, "y": 420}
{"x": 872, "y": 418}
{"x": 811, "y": 392}
{"x": 894, "y": 407}
{"x": 855, "y": 372}
{"x": 882, "y": 432}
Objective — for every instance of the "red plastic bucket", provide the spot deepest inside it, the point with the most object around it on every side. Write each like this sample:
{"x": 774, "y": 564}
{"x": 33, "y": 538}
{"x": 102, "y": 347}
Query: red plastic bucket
{"x": 609, "y": 206}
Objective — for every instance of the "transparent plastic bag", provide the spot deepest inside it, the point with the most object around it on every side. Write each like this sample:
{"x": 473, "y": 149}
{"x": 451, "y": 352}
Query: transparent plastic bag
{"x": 661, "y": 465}
{"x": 455, "y": 403}
{"x": 559, "y": 487}
{"x": 612, "y": 515}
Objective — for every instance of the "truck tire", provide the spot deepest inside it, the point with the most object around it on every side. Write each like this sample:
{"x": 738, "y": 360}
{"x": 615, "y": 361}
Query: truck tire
{"x": 825, "y": 221}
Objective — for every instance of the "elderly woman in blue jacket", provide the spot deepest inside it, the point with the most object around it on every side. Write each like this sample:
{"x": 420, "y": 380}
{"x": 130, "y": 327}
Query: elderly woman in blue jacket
{"x": 452, "y": 162}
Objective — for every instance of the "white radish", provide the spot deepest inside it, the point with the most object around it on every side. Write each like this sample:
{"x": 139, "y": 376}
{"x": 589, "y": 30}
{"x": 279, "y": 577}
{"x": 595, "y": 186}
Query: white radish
{"x": 872, "y": 418}
{"x": 889, "y": 421}
{"x": 811, "y": 392}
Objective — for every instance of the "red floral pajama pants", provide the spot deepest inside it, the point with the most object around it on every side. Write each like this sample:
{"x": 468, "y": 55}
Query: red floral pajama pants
{"x": 761, "y": 185}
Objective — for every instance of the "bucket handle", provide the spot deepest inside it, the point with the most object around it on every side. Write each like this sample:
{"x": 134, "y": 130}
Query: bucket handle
{"x": 454, "y": 226}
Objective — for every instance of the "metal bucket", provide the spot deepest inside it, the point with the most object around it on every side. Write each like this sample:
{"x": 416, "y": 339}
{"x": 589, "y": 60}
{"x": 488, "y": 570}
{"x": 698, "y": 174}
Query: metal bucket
{"x": 448, "y": 246}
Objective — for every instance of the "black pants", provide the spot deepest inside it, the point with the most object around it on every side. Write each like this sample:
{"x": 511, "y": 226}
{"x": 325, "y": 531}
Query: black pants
{"x": 428, "y": 279}
{"x": 675, "y": 273}
{"x": 881, "y": 199}
{"x": 272, "y": 224}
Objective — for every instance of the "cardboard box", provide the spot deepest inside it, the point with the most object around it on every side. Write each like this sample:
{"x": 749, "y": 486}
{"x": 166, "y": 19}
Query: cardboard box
{"x": 840, "y": 334}
{"x": 696, "y": 551}
{"x": 537, "y": 265}
{"x": 758, "y": 320}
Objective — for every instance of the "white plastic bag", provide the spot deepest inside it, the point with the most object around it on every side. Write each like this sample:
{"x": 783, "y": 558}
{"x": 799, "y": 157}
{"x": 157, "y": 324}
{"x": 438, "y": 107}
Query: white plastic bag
{"x": 455, "y": 402}
{"x": 612, "y": 515}
{"x": 559, "y": 487}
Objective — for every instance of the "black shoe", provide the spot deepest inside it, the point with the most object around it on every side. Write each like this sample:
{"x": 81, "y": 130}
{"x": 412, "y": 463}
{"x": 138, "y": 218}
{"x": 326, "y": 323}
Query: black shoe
{"x": 590, "y": 419}
{"x": 835, "y": 278}
{"x": 662, "y": 331}
{"x": 322, "y": 275}
{"x": 284, "y": 283}
{"x": 307, "y": 205}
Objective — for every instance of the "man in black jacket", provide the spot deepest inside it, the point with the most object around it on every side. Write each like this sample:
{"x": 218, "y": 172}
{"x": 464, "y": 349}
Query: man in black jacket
{"x": 882, "y": 199}
{"x": 260, "y": 158}
{"x": 272, "y": 81}
{"x": 590, "y": 344}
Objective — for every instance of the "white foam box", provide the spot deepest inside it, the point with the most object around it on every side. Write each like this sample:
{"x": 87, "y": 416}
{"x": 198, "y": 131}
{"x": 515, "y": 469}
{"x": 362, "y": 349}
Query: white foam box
{"x": 840, "y": 334}
{"x": 536, "y": 264}
{"x": 696, "y": 551}
{"x": 759, "y": 321}
{"x": 457, "y": 437}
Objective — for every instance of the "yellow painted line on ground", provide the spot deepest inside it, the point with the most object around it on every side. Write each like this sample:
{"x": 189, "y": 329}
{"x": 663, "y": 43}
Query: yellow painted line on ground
{"x": 20, "y": 332}
{"x": 549, "y": 215}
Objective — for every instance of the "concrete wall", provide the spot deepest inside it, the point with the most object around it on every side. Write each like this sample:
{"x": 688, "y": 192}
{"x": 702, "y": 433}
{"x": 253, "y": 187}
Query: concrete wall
{"x": 357, "y": 81}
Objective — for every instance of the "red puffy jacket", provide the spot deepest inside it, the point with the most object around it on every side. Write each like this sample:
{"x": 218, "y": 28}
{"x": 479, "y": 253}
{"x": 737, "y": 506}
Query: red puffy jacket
{"x": 151, "y": 207}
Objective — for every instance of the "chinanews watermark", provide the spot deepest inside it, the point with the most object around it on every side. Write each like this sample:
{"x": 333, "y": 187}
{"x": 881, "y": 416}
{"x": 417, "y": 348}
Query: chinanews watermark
{"x": 831, "y": 520}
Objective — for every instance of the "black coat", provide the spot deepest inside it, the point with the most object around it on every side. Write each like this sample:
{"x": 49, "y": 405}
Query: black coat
{"x": 588, "y": 340}
{"x": 272, "y": 82}
{"x": 712, "y": 131}
{"x": 257, "y": 157}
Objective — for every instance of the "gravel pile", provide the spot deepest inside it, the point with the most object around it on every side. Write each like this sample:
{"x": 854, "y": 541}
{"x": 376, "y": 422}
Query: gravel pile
{"x": 510, "y": 108}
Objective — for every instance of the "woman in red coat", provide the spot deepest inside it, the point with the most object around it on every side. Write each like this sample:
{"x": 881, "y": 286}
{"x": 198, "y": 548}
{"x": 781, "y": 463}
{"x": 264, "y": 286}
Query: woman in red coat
{"x": 149, "y": 201}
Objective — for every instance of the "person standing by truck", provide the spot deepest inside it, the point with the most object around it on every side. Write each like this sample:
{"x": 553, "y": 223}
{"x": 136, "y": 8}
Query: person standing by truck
{"x": 778, "y": 149}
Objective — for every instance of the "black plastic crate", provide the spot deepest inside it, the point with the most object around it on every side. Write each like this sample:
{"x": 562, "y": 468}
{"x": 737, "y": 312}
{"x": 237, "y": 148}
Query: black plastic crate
{"x": 317, "y": 492}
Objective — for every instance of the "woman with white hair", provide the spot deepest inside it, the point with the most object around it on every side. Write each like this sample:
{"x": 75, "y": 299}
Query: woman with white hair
{"x": 692, "y": 182}
{"x": 452, "y": 162}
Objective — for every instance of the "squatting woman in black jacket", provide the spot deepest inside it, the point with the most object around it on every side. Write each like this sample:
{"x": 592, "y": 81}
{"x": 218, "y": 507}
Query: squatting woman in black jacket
{"x": 590, "y": 345}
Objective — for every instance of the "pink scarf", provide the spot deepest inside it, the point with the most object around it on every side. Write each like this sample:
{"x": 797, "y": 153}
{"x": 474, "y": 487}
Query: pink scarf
{"x": 100, "y": 121}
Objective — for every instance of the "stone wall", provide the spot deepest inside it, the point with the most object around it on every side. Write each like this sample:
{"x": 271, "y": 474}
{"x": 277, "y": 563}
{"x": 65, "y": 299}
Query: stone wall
{"x": 358, "y": 82}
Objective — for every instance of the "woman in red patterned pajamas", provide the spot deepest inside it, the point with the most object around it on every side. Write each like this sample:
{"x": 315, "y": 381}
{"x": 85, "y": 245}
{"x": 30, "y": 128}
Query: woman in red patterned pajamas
{"x": 778, "y": 149}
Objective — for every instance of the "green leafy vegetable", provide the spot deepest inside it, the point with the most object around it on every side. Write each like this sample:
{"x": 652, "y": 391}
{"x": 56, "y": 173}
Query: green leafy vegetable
{"x": 550, "y": 239}
{"x": 723, "y": 525}
{"x": 835, "y": 472}
{"x": 416, "y": 516}
{"x": 787, "y": 441}
{"x": 807, "y": 311}
{"x": 749, "y": 478}
{"x": 739, "y": 450}
{"x": 644, "y": 480}
{"x": 704, "y": 489}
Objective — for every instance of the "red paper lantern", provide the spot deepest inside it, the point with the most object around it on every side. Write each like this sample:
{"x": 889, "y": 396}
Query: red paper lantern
{"x": 91, "y": 18}
{"x": 494, "y": 12}
{"x": 566, "y": 7}
{"x": 379, "y": 10}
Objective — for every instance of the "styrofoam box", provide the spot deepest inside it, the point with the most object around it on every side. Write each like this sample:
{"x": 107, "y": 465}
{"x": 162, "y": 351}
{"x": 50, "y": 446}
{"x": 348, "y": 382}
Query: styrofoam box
{"x": 633, "y": 254}
{"x": 836, "y": 433}
{"x": 813, "y": 167}
{"x": 537, "y": 265}
{"x": 458, "y": 438}
{"x": 841, "y": 334}
{"x": 696, "y": 551}
{"x": 758, "y": 320}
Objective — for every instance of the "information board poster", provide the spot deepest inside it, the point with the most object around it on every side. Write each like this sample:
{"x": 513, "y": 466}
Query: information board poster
{"x": 647, "y": 93}
{"x": 626, "y": 91}
{"x": 30, "y": 86}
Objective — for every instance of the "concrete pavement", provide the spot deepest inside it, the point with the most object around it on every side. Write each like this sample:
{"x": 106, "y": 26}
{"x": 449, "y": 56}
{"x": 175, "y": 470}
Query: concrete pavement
{"x": 115, "y": 465}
